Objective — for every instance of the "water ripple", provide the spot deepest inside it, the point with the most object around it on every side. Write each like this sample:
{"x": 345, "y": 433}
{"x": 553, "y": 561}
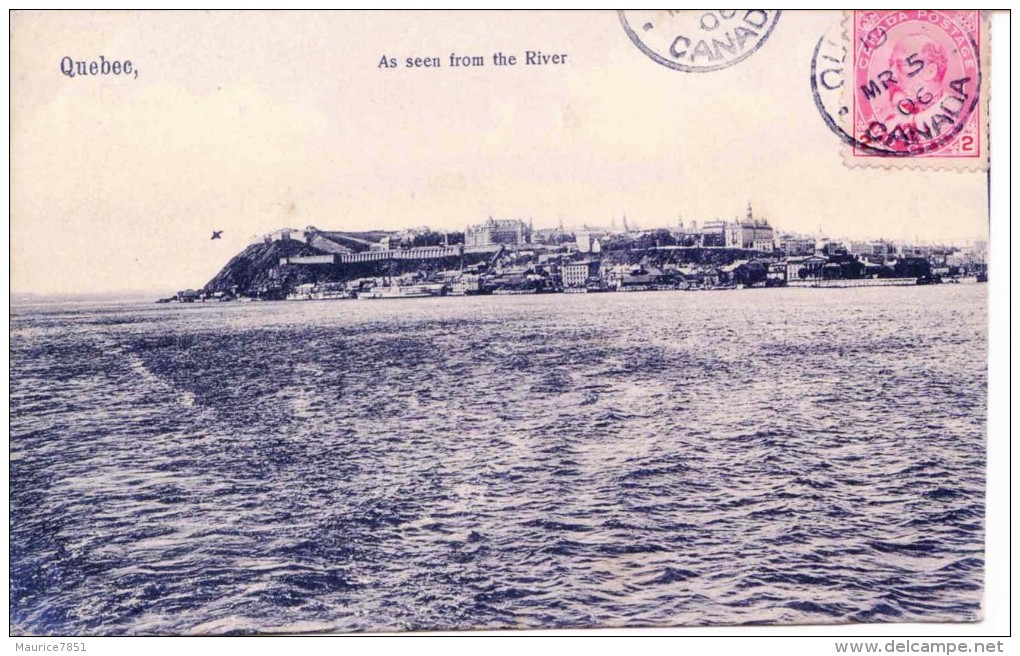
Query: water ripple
{"x": 565, "y": 461}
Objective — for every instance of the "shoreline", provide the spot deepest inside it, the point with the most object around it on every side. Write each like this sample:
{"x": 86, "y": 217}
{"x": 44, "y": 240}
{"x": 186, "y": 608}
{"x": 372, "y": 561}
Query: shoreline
{"x": 800, "y": 284}
{"x": 44, "y": 300}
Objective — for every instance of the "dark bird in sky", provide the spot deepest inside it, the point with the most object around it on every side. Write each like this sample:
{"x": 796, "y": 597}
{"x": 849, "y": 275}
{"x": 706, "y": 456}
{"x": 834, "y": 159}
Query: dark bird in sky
{"x": 216, "y": 234}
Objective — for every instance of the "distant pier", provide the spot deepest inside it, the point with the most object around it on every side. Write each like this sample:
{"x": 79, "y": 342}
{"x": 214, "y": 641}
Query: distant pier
{"x": 862, "y": 282}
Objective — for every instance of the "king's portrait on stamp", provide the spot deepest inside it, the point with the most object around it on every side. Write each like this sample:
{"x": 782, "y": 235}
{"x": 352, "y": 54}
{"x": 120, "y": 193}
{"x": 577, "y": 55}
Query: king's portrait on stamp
{"x": 917, "y": 82}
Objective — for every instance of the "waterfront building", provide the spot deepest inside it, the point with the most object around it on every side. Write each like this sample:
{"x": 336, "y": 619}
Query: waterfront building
{"x": 883, "y": 249}
{"x": 637, "y": 282}
{"x": 727, "y": 272}
{"x": 466, "y": 284}
{"x": 805, "y": 268}
{"x": 302, "y": 292}
{"x": 776, "y": 273}
{"x": 709, "y": 276}
{"x": 577, "y": 274}
{"x": 498, "y": 232}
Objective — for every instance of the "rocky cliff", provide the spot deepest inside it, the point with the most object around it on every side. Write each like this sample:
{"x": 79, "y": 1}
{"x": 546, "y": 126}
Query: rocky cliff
{"x": 257, "y": 268}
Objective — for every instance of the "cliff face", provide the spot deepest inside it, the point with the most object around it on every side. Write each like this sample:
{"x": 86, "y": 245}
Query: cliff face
{"x": 256, "y": 270}
{"x": 256, "y": 267}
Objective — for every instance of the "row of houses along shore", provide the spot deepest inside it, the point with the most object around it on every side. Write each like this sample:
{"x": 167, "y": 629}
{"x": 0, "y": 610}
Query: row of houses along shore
{"x": 510, "y": 256}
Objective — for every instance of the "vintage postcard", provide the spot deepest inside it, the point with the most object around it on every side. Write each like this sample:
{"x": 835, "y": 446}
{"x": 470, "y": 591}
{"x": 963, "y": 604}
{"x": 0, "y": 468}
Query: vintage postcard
{"x": 329, "y": 322}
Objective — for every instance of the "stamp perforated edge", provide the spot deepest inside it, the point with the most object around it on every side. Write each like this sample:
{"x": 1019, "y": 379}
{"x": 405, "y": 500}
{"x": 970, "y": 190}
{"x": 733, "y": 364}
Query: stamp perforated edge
{"x": 927, "y": 162}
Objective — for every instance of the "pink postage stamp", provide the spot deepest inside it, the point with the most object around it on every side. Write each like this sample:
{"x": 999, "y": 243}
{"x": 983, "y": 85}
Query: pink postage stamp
{"x": 918, "y": 88}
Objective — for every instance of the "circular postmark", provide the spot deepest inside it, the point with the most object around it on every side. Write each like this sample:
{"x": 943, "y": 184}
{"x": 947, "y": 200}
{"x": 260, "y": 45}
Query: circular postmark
{"x": 900, "y": 83}
{"x": 699, "y": 41}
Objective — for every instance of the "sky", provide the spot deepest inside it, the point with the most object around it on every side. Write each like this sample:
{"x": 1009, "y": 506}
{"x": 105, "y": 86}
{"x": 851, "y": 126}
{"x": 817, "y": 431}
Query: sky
{"x": 249, "y": 122}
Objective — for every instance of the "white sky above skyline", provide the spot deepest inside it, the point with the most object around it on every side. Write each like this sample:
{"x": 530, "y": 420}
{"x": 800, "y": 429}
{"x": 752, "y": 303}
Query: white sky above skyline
{"x": 249, "y": 122}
